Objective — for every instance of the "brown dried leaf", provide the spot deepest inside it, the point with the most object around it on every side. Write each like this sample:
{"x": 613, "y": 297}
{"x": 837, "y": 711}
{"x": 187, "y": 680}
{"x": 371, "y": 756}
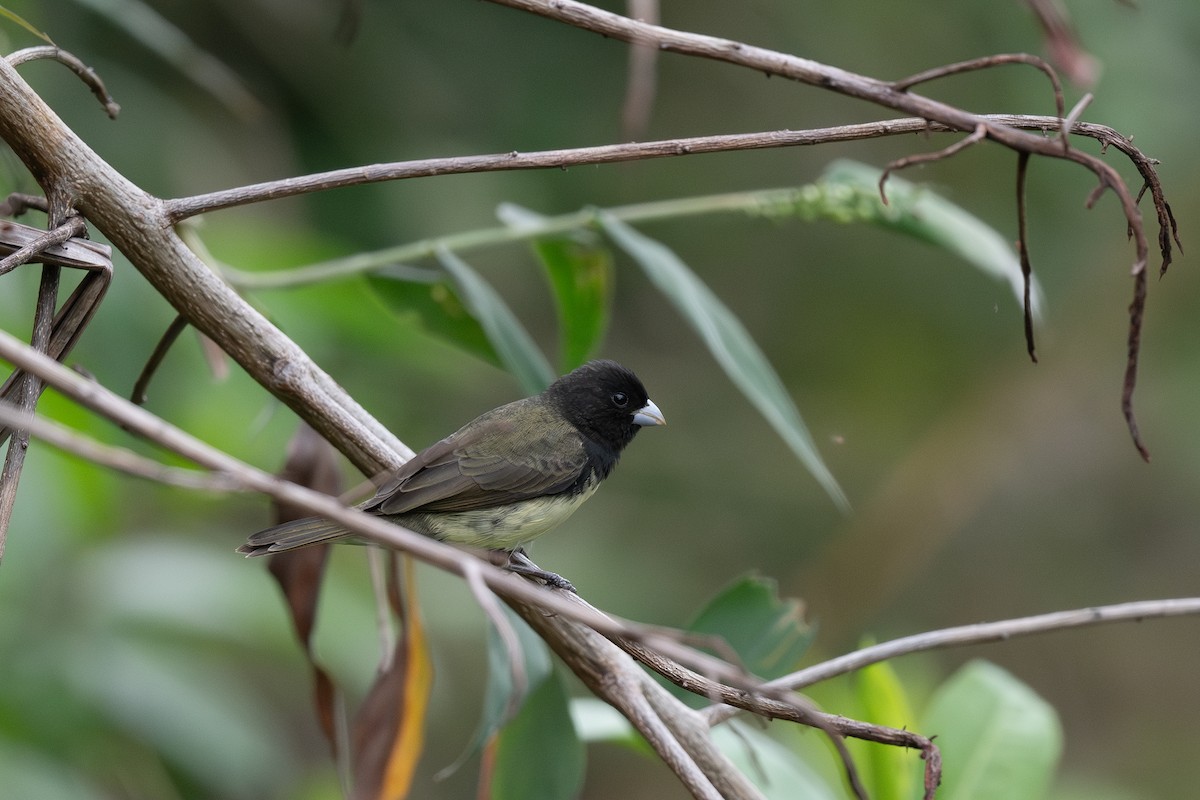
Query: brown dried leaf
{"x": 311, "y": 462}
{"x": 389, "y": 729}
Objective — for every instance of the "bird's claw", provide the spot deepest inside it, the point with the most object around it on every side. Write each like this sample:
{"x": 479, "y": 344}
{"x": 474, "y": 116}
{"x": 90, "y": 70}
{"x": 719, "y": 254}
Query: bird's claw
{"x": 521, "y": 564}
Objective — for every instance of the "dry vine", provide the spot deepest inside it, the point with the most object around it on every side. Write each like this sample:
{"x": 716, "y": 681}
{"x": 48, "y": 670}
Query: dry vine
{"x": 80, "y": 186}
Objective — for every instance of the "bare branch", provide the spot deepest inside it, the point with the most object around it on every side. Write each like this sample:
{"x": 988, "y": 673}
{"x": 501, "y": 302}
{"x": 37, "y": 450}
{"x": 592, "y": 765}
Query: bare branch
{"x": 115, "y": 458}
{"x": 85, "y": 73}
{"x": 987, "y": 62}
{"x": 983, "y": 633}
{"x": 182, "y": 208}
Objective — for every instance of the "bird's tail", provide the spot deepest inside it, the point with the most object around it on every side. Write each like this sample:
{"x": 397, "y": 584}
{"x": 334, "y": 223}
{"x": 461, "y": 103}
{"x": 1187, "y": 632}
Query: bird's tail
{"x": 290, "y": 535}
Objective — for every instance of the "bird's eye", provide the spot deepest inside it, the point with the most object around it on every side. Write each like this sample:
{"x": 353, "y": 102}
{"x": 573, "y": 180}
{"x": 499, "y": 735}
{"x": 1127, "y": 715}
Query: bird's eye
{"x": 620, "y": 399}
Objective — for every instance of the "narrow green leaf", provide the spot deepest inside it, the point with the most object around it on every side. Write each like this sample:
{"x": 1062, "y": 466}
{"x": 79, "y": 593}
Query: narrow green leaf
{"x": 580, "y": 272}
{"x": 729, "y": 342}
{"x": 850, "y": 193}
{"x": 513, "y": 343}
{"x": 768, "y": 634}
{"x": 538, "y": 754}
{"x": 893, "y": 771}
{"x": 433, "y": 302}
{"x": 17, "y": 19}
{"x": 998, "y": 739}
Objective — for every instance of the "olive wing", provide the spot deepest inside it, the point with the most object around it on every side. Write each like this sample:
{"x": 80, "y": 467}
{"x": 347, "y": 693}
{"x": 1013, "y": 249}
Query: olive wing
{"x": 505, "y": 456}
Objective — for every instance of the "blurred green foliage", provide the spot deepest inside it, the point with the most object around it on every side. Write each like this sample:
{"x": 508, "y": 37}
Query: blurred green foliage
{"x": 142, "y": 658}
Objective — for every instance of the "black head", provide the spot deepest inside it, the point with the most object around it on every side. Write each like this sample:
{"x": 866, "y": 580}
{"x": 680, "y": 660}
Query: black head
{"x": 605, "y": 401}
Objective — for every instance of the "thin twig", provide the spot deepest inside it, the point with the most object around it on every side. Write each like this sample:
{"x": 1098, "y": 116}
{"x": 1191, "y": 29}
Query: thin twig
{"x": 987, "y": 62}
{"x": 976, "y": 136}
{"x": 112, "y": 457}
{"x": 1023, "y": 254}
{"x": 17, "y": 203}
{"x": 72, "y": 227}
{"x": 1137, "y": 307}
{"x": 75, "y": 253}
{"x": 641, "y": 84}
{"x": 1069, "y": 121}
{"x": 68, "y": 326}
{"x": 377, "y": 568}
{"x": 72, "y": 62}
{"x": 982, "y": 633}
{"x": 181, "y": 208}
{"x": 177, "y": 326}
{"x": 508, "y": 637}
{"x": 29, "y": 389}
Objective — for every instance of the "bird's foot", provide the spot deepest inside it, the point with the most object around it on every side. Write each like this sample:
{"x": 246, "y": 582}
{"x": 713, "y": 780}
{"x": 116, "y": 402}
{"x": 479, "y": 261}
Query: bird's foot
{"x": 521, "y": 564}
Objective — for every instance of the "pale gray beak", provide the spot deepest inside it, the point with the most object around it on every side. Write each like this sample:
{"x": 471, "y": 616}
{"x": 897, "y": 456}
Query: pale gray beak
{"x": 649, "y": 415}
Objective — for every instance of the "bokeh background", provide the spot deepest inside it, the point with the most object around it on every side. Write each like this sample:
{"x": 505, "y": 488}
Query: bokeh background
{"x": 139, "y": 657}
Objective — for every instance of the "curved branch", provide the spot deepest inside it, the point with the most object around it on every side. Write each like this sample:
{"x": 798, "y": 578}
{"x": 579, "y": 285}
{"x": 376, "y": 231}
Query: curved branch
{"x": 987, "y": 62}
{"x": 137, "y": 224}
{"x": 85, "y": 73}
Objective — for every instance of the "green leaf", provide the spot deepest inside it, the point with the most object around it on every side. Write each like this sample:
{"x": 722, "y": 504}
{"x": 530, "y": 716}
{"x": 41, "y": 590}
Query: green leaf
{"x": 538, "y": 754}
{"x": 892, "y": 771}
{"x": 728, "y": 341}
{"x": 502, "y": 694}
{"x": 999, "y": 740}
{"x": 597, "y": 721}
{"x": 580, "y": 272}
{"x": 580, "y": 275}
{"x": 778, "y": 772}
{"x": 768, "y": 634}
{"x": 513, "y": 343}
{"x": 849, "y": 192}
{"x": 433, "y": 302}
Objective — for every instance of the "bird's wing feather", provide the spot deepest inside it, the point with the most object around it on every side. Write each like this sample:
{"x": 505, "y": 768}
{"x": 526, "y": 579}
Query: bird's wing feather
{"x": 487, "y": 463}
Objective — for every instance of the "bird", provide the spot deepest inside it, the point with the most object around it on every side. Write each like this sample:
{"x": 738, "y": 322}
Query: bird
{"x": 508, "y": 476}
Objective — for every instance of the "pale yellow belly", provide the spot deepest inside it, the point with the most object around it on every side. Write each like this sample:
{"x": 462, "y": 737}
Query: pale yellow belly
{"x": 497, "y": 529}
